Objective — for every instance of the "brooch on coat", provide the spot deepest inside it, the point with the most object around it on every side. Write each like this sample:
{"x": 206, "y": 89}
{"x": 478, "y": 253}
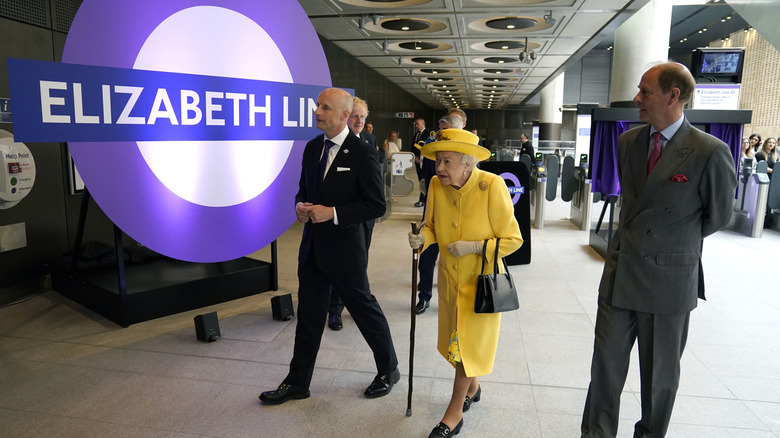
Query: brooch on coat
{"x": 679, "y": 178}
{"x": 483, "y": 185}
{"x": 346, "y": 151}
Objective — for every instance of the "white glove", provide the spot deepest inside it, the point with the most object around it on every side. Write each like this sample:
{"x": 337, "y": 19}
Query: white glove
{"x": 464, "y": 247}
{"x": 416, "y": 241}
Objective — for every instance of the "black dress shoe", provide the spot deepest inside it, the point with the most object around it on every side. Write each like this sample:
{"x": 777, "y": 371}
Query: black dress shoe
{"x": 419, "y": 204}
{"x": 421, "y": 306}
{"x": 283, "y": 393}
{"x": 382, "y": 384}
{"x": 468, "y": 401}
{"x": 334, "y": 322}
{"x": 442, "y": 430}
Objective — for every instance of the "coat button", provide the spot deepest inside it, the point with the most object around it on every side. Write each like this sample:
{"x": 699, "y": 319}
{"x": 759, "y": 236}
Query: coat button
{"x": 455, "y": 203}
{"x": 646, "y": 258}
{"x": 649, "y": 232}
{"x": 668, "y": 210}
{"x": 454, "y": 225}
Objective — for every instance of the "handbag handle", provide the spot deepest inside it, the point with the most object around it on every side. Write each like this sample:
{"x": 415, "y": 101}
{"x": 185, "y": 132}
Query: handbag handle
{"x": 495, "y": 259}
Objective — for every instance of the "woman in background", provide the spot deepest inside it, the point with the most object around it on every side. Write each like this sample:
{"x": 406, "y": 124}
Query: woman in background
{"x": 768, "y": 153}
{"x": 755, "y": 141}
{"x": 392, "y": 144}
{"x": 747, "y": 150}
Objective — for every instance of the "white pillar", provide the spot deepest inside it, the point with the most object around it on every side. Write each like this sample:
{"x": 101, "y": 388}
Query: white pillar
{"x": 640, "y": 41}
{"x": 550, "y": 109}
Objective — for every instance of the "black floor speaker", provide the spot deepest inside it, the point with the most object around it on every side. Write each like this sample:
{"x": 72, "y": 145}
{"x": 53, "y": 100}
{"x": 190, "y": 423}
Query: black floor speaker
{"x": 282, "y": 307}
{"x": 207, "y": 327}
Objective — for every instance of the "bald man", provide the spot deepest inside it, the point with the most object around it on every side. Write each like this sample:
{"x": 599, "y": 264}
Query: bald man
{"x": 339, "y": 190}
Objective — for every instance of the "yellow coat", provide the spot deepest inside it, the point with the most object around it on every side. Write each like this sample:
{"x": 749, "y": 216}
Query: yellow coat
{"x": 481, "y": 209}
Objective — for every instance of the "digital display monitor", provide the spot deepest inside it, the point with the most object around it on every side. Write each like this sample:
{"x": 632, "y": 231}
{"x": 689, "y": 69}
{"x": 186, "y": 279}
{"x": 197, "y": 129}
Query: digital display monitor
{"x": 720, "y": 62}
{"x": 722, "y": 65}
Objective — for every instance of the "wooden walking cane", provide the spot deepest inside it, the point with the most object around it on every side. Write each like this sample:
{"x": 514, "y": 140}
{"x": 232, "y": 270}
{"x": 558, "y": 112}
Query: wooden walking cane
{"x": 415, "y": 255}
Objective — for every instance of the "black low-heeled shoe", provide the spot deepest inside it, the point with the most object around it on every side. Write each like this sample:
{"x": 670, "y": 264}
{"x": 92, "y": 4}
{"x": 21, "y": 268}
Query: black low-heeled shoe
{"x": 442, "y": 430}
{"x": 469, "y": 400}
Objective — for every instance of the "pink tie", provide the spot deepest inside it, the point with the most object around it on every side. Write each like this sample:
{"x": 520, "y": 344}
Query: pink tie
{"x": 656, "y": 153}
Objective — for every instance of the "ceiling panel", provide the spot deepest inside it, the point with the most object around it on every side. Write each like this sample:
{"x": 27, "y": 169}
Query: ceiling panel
{"x": 468, "y": 36}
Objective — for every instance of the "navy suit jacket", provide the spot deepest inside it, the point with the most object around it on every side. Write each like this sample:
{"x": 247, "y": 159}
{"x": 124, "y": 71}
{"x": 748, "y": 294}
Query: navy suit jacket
{"x": 368, "y": 138}
{"x": 353, "y": 185}
{"x": 654, "y": 261}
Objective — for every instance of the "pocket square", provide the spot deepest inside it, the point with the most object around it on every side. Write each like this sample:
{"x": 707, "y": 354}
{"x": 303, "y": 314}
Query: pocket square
{"x": 679, "y": 178}
{"x": 343, "y": 169}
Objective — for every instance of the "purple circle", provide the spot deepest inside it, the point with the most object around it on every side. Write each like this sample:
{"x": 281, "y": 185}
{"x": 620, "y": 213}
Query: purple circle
{"x": 512, "y": 177}
{"x": 111, "y": 34}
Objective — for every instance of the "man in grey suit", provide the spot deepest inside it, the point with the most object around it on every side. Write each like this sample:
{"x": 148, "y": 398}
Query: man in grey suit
{"x": 652, "y": 275}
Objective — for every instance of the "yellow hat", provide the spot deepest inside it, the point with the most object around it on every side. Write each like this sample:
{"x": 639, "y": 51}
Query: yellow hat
{"x": 455, "y": 140}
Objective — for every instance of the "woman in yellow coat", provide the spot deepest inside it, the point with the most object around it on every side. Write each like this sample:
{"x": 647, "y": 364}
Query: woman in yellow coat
{"x": 465, "y": 206}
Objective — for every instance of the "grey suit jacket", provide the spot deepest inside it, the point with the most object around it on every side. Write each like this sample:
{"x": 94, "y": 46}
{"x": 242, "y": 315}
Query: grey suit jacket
{"x": 654, "y": 261}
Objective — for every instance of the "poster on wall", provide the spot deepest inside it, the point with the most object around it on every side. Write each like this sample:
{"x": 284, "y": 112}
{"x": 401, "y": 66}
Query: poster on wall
{"x": 187, "y": 120}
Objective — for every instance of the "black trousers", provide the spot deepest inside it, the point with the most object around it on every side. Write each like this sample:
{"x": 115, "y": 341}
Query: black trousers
{"x": 661, "y": 341}
{"x": 336, "y": 306}
{"x": 427, "y": 266}
{"x": 314, "y": 292}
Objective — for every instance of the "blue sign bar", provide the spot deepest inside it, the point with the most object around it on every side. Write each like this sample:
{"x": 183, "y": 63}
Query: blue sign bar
{"x": 69, "y": 102}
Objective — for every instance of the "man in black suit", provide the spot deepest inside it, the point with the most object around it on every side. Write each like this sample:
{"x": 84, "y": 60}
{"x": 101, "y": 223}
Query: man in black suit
{"x": 420, "y": 134}
{"x": 339, "y": 190}
{"x": 526, "y": 147}
{"x": 677, "y": 187}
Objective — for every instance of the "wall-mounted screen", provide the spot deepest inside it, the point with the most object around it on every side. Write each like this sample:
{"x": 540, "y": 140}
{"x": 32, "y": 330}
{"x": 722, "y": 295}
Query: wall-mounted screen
{"x": 718, "y": 65}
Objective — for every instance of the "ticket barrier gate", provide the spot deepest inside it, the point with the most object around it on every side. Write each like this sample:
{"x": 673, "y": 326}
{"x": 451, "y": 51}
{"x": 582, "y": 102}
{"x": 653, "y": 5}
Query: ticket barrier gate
{"x": 751, "y": 202}
{"x": 575, "y": 187}
{"x": 544, "y": 185}
{"x": 397, "y": 182}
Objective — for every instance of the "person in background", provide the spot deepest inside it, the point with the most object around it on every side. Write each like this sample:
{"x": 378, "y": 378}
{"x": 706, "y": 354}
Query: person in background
{"x": 747, "y": 150}
{"x": 370, "y": 128}
{"x": 420, "y": 134}
{"x": 340, "y": 188}
{"x": 466, "y": 207}
{"x": 677, "y": 187}
{"x": 460, "y": 113}
{"x": 768, "y": 153}
{"x": 427, "y": 261}
{"x": 392, "y": 144}
{"x": 355, "y": 123}
{"x": 755, "y": 141}
{"x": 526, "y": 147}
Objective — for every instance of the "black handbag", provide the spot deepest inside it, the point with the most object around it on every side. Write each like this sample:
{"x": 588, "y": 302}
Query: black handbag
{"x": 495, "y": 292}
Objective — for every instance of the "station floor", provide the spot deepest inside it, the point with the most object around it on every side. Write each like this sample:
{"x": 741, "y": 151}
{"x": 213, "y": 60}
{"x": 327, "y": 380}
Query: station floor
{"x": 68, "y": 372}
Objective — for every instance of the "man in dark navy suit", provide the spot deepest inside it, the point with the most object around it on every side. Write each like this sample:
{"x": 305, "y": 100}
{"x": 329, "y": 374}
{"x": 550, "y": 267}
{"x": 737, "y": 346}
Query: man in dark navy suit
{"x": 356, "y": 122}
{"x": 420, "y": 134}
{"x": 339, "y": 190}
